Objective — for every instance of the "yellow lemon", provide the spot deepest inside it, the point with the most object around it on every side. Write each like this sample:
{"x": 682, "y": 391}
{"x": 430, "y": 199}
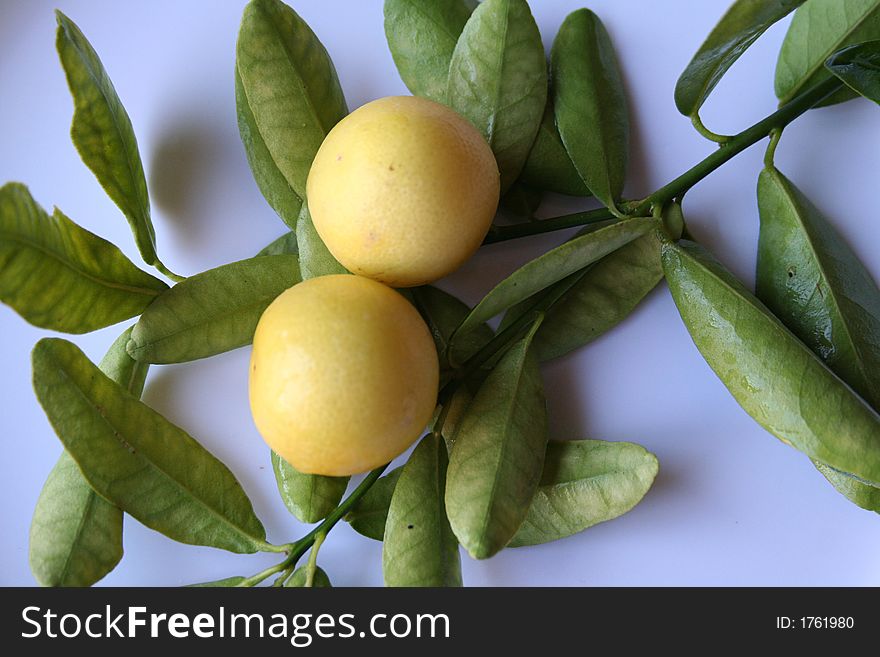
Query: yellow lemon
{"x": 343, "y": 375}
{"x": 403, "y": 190}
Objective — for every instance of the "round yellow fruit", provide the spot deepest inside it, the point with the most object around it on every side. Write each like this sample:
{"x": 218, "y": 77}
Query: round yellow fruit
{"x": 403, "y": 190}
{"x": 343, "y": 375}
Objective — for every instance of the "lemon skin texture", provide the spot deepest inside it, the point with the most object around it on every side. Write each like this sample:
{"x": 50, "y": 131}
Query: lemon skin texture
{"x": 403, "y": 190}
{"x": 343, "y": 375}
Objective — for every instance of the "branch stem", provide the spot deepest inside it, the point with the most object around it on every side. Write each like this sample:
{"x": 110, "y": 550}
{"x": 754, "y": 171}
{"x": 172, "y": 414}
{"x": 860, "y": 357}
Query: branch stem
{"x": 299, "y": 548}
{"x": 680, "y": 185}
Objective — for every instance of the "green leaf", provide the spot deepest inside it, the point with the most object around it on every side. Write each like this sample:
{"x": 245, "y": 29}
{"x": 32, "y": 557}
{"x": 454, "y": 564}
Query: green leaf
{"x": 225, "y": 582}
{"x": 812, "y": 281}
{"x": 211, "y": 312}
{"x": 817, "y": 31}
{"x": 738, "y": 29}
{"x": 498, "y": 453}
{"x": 419, "y": 548}
{"x": 138, "y": 460}
{"x": 550, "y": 268}
{"x": 76, "y": 535}
{"x": 315, "y": 258}
{"x": 299, "y": 576}
{"x": 590, "y": 104}
{"x": 292, "y": 94}
{"x": 102, "y": 133}
{"x": 422, "y": 35}
{"x": 367, "y": 516}
{"x": 858, "y": 492}
{"x": 457, "y": 409}
{"x": 522, "y": 201}
{"x": 585, "y": 482}
{"x": 443, "y": 313}
{"x": 498, "y": 80}
{"x": 309, "y": 497}
{"x": 286, "y": 244}
{"x": 59, "y": 276}
{"x": 122, "y": 368}
{"x": 859, "y": 67}
{"x": 603, "y": 297}
{"x": 777, "y": 380}
{"x": 270, "y": 181}
{"x": 548, "y": 166}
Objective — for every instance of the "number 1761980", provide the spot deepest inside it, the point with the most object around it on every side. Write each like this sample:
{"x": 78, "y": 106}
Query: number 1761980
{"x": 815, "y": 622}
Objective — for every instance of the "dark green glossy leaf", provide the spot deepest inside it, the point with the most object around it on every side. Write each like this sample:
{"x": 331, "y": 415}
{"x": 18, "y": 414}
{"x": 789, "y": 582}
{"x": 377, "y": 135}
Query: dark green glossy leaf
{"x": 271, "y": 181}
{"x": 603, "y": 297}
{"x": 859, "y": 67}
{"x": 812, "y": 281}
{"x": 522, "y": 201}
{"x": 550, "y": 268}
{"x": 777, "y": 380}
{"x": 422, "y": 35}
{"x": 498, "y": 453}
{"x": 810, "y": 278}
{"x": 817, "y": 31}
{"x": 419, "y": 548}
{"x": 367, "y": 516}
{"x": 498, "y": 80}
{"x": 585, "y": 482}
{"x": 443, "y": 313}
{"x": 739, "y": 28}
{"x": 137, "y": 459}
{"x": 590, "y": 104}
{"x": 548, "y": 166}
{"x": 298, "y": 579}
{"x": 309, "y": 497}
{"x": 76, "y": 535}
{"x": 292, "y": 94}
{"x": 62, "y": 277}
{"x": 286, "y": 244}
{"x": 102, "y": 133}
{"x": 315, "y": 258}
{"x": 220, "y": 583}
{"x": 211, "y": 312}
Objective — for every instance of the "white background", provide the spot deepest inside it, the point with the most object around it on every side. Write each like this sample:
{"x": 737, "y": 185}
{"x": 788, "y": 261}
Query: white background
{"x": 731, "y": 506}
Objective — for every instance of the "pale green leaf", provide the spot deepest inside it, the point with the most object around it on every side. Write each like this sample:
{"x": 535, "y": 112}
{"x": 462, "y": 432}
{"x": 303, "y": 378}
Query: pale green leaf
{"x": 498, "y": 80}
{"x": 585, "y": 482}
{"x": 211, "y": 312}
{"x": 137, "y": 459}
{"x": 62, "y": 277}
{"x": 498, "y": 453}
{"x": 419, "y": 548}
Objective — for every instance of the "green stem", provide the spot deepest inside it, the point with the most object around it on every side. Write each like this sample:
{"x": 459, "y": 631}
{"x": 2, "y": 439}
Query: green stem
{"x": 504, "y": 233}
{"x": 283, "y": 577}
{"x": 770, "y": 153}
{"x": 504, "y": 338}
{"x": 268, "y": 547}
{"x": 705, "y": 132}
{"x": 298, "y": 549}
{"x": 312, "y": 565}
{"x": 177, "y": 278}
{"x": 676, "y": 188}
